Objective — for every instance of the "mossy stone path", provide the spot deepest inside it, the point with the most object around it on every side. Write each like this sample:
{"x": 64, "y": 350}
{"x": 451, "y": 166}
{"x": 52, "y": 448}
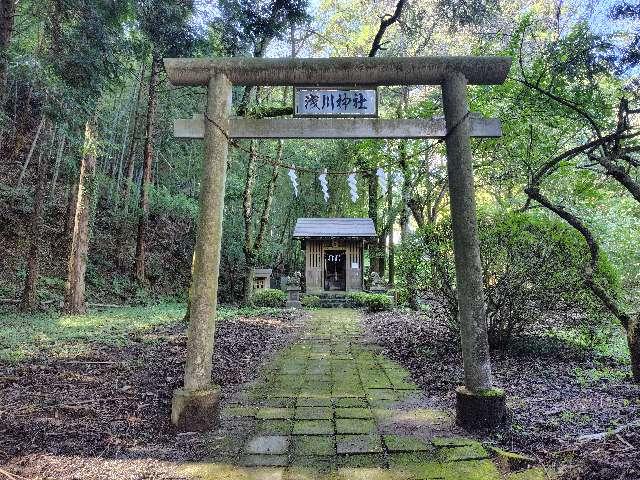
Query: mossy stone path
{"x": 330, "y": 407}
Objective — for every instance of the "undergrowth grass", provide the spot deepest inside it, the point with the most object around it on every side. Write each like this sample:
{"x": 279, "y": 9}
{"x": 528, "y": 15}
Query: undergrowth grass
{"x": 23, "y": 336}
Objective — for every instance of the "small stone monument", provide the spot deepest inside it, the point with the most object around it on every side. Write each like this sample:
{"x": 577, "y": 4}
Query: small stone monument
{"x": 261, "y": 278}
{"x": 293, "y": 290}
{"x": 377, "y": 284}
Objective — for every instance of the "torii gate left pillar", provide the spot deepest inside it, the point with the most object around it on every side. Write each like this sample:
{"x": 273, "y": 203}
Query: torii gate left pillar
{"x": 195, "y": 407}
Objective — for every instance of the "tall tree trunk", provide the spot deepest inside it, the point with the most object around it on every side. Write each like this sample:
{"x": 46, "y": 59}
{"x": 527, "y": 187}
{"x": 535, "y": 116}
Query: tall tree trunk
{"x": 74, "y": 301}
{"x": 120, "y": 164}
{"x": 29, "y": 300}
{"x": 375, "y": 248}
{"x": 56, "y": 168}
{"x": 70, "y": 215}
{"x": 143, "y": 219}
{"x": 34, "y": 143}
{"x": 633, "y": 340}
{"x": 252, "y": 246}
{"x": 391, "y": 266}
{"x": 7, "y": 14}
{"x": 405, "y": 190}
{"x": 247, "y": 215}
{"x": 129, "y": 165}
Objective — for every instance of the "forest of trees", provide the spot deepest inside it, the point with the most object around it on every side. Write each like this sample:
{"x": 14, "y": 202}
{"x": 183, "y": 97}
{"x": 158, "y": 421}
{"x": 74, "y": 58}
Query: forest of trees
{"x": 99, "y": 201}
{"x": 97, "y": 194}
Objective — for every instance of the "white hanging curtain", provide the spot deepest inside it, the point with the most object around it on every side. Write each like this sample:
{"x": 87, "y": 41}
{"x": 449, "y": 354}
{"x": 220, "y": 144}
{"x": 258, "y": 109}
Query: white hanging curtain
{"x": 294, "y": 180}
{"x": 324, "y": 185}
{"x": 353, "y": 186}
{"x": 382, "y": 179}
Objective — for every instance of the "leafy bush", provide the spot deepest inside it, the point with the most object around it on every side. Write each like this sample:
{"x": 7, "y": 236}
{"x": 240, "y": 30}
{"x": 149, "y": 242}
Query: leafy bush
{"x": 400, "y": 295}
{"x": 310, "y": 301}
{"x": 356, "y": 299}
{"x": 269, "y": 297}
{"x": 378, "y": 302}
{"x": 532, "y": 266}
{"x": 373, "y": 302}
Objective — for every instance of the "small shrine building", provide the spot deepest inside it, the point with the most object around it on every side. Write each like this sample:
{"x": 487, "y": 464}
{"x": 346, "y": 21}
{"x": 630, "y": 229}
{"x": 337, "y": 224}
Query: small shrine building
{"x": 334, "y": 250}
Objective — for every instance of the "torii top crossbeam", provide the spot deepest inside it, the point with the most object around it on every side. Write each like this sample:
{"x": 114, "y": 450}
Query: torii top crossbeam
{"x": 338, "y": 71}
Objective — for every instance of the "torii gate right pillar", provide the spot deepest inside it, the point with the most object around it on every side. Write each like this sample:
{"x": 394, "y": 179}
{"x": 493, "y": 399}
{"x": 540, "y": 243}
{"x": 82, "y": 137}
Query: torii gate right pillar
{"x": 478, "y": 403}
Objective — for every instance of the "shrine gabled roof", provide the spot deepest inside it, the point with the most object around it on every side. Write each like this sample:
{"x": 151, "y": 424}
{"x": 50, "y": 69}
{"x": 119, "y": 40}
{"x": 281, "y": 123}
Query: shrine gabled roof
{"x": 334, "y": 228}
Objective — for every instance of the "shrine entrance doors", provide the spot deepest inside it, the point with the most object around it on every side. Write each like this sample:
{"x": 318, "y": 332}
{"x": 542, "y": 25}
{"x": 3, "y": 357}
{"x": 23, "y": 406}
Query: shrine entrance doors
{"x": 335, "y": 272}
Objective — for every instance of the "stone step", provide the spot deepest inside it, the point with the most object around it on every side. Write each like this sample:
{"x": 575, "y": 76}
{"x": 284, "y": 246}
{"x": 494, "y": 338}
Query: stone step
{"x": 333, "y": 302}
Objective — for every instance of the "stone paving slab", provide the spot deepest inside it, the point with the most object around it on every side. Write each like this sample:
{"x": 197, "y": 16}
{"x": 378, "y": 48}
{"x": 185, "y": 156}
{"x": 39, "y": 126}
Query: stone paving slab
{"x": 331, "y": 408}
{"x": 370, "y": 443}
{"x": 313, "y": 427}
{"x": 353, "y": 412}
{"x": 355, "y": 425}
{"x": 268, "y": 444}
{"x": 314, "y": 413}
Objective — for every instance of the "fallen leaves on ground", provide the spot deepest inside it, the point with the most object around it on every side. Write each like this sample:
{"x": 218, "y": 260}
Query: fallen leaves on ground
{"x": 80, "y": 418}
{"x": 551, "y": 405}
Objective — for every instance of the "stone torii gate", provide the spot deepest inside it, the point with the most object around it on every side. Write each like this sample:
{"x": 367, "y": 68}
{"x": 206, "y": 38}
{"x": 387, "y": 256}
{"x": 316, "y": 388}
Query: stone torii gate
{"x": 196, "y": 405}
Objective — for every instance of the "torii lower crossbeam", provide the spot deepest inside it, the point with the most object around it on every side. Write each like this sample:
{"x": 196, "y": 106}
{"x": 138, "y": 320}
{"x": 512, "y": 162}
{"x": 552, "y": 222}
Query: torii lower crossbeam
{"x": 354, "y": 128}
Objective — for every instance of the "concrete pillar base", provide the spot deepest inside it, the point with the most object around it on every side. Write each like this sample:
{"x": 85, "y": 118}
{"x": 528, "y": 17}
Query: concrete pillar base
{"x": 486, "y": 410}
{"x": 196, "y": 410}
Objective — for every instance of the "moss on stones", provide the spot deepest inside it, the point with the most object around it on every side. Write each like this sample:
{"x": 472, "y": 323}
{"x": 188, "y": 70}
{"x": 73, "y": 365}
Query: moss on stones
{"x": 314, "y": 413}
{"x": 274, "y": 413}
{"x": 354, "y": 412}
{"x": 402, "y": 443}
{"x": 512, "y": 460}
{"x": 361, "y": 460}
{"x": 314, "y": 445}
{"x": 313, "y": 402}
{"x": 312, "y": 427}
{"x": 358, "y": 444}
{"x": 238, "y": 411}
{"x": 349, "y": 402}
{"x": 452, "y": 441}
{"x": 473, "y": 451}
{"x": 416, "y": 464}
{"x": 355, "y": 425}
{"x": 471, "y": 470}
{"x": 275, "y": 426}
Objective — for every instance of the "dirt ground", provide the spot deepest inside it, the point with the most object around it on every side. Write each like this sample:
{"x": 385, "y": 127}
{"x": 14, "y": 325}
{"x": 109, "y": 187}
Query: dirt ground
{"x": 557, "y": 413}
{"x": 106, "y": 415}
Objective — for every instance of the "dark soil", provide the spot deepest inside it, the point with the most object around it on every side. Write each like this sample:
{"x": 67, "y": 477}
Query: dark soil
{"x": 106, "y": 415}
{"x": 551, "y": 404}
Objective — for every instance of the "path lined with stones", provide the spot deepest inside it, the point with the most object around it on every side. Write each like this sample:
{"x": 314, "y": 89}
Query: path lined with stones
{"x": 329, "y": 407}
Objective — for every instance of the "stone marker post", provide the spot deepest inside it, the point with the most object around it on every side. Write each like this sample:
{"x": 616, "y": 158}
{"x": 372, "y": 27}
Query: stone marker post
{"x": 195, "y": 407}
{"x": 293, "y": 290}
{"x": 478, "y": 403}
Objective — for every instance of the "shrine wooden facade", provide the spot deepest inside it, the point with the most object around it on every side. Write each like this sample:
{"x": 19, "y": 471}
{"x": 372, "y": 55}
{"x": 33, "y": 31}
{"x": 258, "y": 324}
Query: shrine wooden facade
{"x": 334, "y": 252}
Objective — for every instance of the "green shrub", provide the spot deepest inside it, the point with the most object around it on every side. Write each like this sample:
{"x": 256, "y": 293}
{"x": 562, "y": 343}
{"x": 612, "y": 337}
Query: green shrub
{"x": 356, "y": 299}
{"x": 269, "y": 297}
{"x": 373, "y": 302}
{"x": 532, "y": 266}
{"x": 378, "y": 302}
{"x": 310, "y": 301}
